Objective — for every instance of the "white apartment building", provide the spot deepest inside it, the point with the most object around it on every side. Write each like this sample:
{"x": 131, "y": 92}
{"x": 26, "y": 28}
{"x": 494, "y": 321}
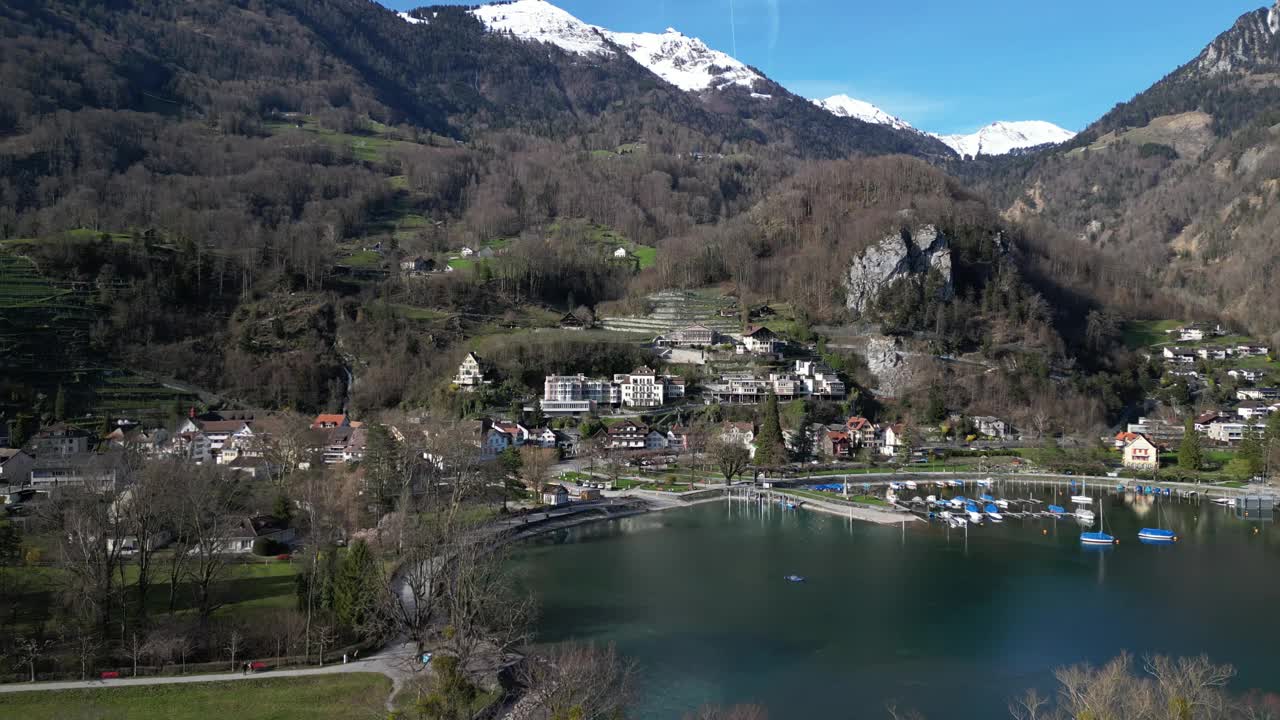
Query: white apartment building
{"x": 577, "y": 394}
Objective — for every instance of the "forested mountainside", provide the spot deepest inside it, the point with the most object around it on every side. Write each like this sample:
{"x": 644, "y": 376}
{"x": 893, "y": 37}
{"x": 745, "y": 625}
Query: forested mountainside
{"x": 223, "y": 192}
{"x": 1179, "y": 184}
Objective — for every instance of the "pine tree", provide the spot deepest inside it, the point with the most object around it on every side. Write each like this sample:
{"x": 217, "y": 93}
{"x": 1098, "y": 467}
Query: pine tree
{"x": 1190, "y": 452}
{"x": 1252, "y": 450}
{"x": 382, "y": 467}
{"x": 771, "y": 450}
{"x": 802, "y": 449}
{"x": 60, "y": 404}
{"x": 355, "y": 588}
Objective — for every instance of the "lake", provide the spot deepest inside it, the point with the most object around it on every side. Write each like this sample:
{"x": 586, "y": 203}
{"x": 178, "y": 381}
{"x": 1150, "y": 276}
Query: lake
{"x": 950, "y": 625}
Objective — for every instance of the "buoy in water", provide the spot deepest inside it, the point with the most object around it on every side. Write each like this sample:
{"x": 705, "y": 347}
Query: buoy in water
{"x": 1044, "y": 532}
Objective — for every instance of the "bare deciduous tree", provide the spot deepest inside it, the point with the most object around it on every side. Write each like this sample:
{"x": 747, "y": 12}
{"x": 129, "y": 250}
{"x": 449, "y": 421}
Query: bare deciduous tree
{"x": 586, "y": 681}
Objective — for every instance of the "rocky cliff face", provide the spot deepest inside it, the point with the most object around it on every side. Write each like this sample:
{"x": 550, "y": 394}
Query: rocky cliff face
{"x": 905, "y": 255}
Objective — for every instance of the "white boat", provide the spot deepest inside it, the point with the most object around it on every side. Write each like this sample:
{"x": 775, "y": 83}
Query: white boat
{"x": 954, "y": 483}
{"x": 1085, "y": 515}
{"x": 986, "y": 483}
{"x": 1224, "y": 502}
{"x": 958, "y": 522}
{"x": 1082, "y": 499}
{"x": 932, "y": 499}
{"x": 957, "y": 503}
{"x": 994, "y": 513}
{"x": 1003, "y": 504}
{"x": 911, "y": 484}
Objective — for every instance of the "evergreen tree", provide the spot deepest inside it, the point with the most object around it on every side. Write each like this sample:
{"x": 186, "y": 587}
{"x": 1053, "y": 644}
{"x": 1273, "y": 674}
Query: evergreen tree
{"x": 1272, "y": 444}
{"x": 382, "y": 468}
{"x": 771, "y": 450}
{"x": 1190, "y": 452}
{"x": 60, "y": 404}
{"x": 1252, "y": 450}
{"x": 282, "y": 510}
{"x": 802, "y": 449}
{"x": 906, "y": 444}
{"x": 355, "y": 588}
{"x": 936, "y": 411}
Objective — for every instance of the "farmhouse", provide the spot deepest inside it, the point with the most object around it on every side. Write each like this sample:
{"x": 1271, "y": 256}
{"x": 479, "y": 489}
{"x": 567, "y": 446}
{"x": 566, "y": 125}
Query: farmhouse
{"x": 1141, "y": 454}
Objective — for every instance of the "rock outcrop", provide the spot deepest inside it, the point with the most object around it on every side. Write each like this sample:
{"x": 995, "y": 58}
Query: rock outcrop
{"x": 899, "y": 256}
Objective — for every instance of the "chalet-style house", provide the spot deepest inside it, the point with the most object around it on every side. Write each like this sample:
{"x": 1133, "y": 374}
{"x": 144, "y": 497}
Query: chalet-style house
{"x": 1141, "y": 454}
{"x": 329, "y": 422}
{"x": 761, "y": 340}
{"x": 470, "y": 375}
{"x": 628, "y": 435}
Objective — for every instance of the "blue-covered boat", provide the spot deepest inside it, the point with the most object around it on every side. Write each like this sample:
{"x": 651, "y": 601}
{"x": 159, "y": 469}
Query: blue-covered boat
{"x": 993, "y": 512}
{"x": 1097, "y": 538}
{"x": 1057, "y": 510}
{"x": 1156, "y": 535}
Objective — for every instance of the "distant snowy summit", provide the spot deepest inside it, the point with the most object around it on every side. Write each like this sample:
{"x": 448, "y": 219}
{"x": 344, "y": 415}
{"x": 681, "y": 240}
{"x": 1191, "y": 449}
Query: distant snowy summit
{"x": 1001, "y": 138}
{"x": 688, "y": 63}
{"x": 845, "y": 106}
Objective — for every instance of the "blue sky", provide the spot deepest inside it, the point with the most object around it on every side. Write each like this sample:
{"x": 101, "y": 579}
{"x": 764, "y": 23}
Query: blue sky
{"x": 942, "y": 65}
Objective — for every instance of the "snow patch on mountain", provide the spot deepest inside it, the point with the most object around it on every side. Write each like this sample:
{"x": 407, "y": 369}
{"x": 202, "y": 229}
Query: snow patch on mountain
{"x": 543, "y": 22}
{"x": 686, "y": 62}
{"x": 1273, "y": 18}
{"x": 845, "y": 106}
{"x": 411, "y": 19}
{"x": 1000, "y": 138}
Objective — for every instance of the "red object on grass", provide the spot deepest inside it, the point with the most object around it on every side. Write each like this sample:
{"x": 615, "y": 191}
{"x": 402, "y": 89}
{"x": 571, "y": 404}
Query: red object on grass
{"x": 258, "y": 666}
{"x": 110, "y": 674}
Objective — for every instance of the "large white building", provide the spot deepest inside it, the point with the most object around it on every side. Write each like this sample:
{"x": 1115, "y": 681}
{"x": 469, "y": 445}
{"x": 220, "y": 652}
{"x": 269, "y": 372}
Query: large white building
{"x": 578, "y": 394}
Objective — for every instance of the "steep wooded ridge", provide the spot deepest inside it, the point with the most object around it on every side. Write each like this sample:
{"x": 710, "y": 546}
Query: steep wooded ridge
{"x": 223, "y": 191}
{"x": 1180, "y": 184}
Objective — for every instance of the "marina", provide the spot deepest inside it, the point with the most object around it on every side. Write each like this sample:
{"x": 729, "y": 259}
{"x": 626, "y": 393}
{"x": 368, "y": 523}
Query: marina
{"x": 983, "y": 610}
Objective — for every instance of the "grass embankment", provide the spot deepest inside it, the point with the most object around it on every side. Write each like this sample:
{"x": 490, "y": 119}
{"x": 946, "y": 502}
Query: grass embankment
{"x": 833, "y": 497}
{"x": 328, "y": 697}
{"x": 1145, "y": 333}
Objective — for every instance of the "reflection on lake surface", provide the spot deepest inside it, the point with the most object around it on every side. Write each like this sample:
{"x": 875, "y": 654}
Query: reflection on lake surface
{"x": 944, "y": 621}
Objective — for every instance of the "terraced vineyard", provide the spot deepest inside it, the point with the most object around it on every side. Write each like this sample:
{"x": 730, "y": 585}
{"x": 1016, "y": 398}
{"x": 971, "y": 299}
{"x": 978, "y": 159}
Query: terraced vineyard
{"x": 45, "y": 343}
{"x": 44, "y": 325}
{"x": 676, "y": 309}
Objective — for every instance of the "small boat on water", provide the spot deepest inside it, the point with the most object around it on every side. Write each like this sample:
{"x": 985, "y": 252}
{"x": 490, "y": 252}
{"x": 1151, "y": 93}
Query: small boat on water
{"x": 957, "y": 522}
{"x": 986, "y": 483}
{"x": 1002, "y": 504}
{"x": 1156, "y": 535}
{"x": 954, "y": 483}
{"x": 975, "y": 517}
{"x": 1081, "y": 499}
{"x": 1097, "y": 538}
{"x": 958, "y": 502}
{"x": 1224, "y": 502}
{"x": 986, "y": 497}
{"x": 993, "y": 512}
{"x": 1057, "y": 510}
{"x": 911, "y": 484}
{"x": 794, "y": 578}
{"x": 1085, "y": 516}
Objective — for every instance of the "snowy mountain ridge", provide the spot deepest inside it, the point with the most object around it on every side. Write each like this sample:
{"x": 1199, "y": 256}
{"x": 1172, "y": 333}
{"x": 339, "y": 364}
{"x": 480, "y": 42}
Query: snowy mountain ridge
{"x": 691, "y": 65}
{"x": 845, "y": 106}
{"x": 688, "y": 63}
{"x": 1001, "y": 138}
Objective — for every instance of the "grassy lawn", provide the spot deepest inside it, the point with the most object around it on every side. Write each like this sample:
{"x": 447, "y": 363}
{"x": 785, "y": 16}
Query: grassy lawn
{"x": 647, "y": 256}
{"x": 329, "y": 697}
{"x": 246, "y": 588}
{"x": 363, "y": 259}
{"x": 835, "y": 497}
{"x": 1145, "y": 333}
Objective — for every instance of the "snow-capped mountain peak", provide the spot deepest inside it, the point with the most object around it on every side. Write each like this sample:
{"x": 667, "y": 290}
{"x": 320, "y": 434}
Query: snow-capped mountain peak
{"x": 543, "y": 22}
{"x": 686, "y": 62}
{"x": 845, "y": 106}
{"x": 1000, "y": 138}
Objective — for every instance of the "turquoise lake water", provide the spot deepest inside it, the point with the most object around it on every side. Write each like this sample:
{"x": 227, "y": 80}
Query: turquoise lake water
{"x": 923, "y": 617}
